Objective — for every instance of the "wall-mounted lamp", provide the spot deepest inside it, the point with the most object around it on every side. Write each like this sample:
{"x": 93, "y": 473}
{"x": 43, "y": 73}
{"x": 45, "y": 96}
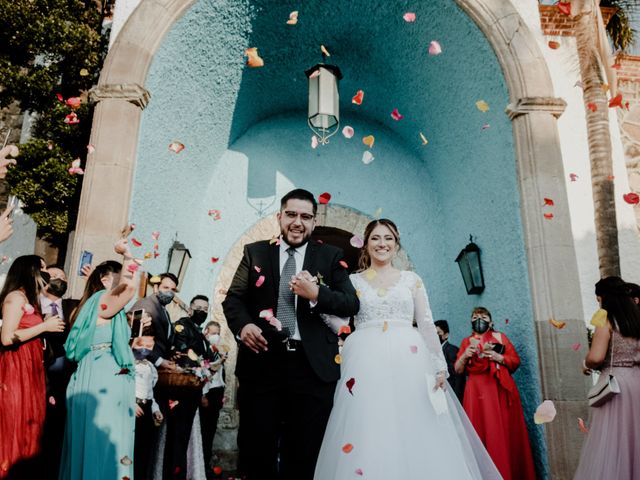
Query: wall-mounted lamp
{"x": 179, "y": 257}
{"x": 471, "y": 269}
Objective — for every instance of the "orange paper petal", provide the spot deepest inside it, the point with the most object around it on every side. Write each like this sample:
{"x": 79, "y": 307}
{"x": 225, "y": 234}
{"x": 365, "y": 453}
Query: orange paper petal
{"x": 557, "y": 323}
{"x": 347, "y": 448}
{"x": 253, "y": 59}
{"x": 369, "y": 140}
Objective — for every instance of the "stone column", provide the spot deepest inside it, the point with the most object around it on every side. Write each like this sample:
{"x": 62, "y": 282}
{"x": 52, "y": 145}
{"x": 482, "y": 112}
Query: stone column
{"x": 553, "y": 275}
{"x": 108, "y": 179}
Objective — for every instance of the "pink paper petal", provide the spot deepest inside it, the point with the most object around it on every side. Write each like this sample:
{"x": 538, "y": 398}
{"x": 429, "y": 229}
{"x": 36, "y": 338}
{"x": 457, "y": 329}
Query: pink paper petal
{"x": 409, "y": 17}
{"x": 257, "y": 269}
{"x": 396, "y": 115}
{"x": 359, "y": 472}
{"x": 367, "y": 157}
{"x": 348, "y": 131}
{"x": 356, "y": 241}
{"x": 576, "y": 346}
{"x": 435, "y": 48}
{"x": 155, "y": 235}
{"x": 267, "y": 313}
{"x": 545, "y": 412}
{"x": 176, "y": 147}
{"x": 260, "y": 281}
{"x": 314, "y": 142}
{"x": 90, "y": 149}
{"x": 413, "y": 348}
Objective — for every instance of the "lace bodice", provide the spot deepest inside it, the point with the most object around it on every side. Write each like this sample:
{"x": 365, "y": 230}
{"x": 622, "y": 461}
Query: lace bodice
{"x": 405, "y": 301}
{"x": 626, "y": 351}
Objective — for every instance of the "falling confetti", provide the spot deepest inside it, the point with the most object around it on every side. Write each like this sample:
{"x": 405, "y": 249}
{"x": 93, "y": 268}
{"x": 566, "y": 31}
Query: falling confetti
{"x": 90, "y": 149}
{"x": 347, "y": 448}
{"x": 573, "y": 177}
{"x": 409, "y": 17}
{"x": 358, "y": 97}
{"x": 506, "y": 321}
{"x": 324, "y": 198}
{"x": 52, "y": 400}
{"x": 377, "y": 213}
{"x": 413, "y": 348}
{"x": 176, "y": 147}
{"x": 124, "y": 371}
{"x": 103, "y": 306}
{"x": 545, "y": 413}
{"x": 344, "y": 330}
{"x": 75, "y": 169}
{"x": 133, "y": 267}
{"x": 548, "y": 202}
{"x": 548, "y": 216}
{"x": 435, "y": 48}
{"x": 173, "y": 403}
{"x": 553, "y": 45}
{"x": 215, "y": 214}
{"x": 631, "y": 198}
{"x": 338, "y": 359}
{"x": 324, "y": 51}
{"x": 486, "y": 126}
{"x": 253, "y": 59}
{"x": 605, "y": 89}
{"x": 348, "y": 131}
{"x": 482, "y": 106}
{"x": 126, "y": 461}
{"x": 356, "y": 241}
{"x": 260, "y": 281}
{"x": 136, "y": 242}
{"x": 192, "y": 355}
{"x": 343, "y": 264}
{"x": 314, "y": 142}
{"x": 350, "y": 383}
{"x": 257, "y": 268}
{"x": 217, "y": 470}
{"x": 293, "y": 18}
{"x": 369, "y": 140}
{"x": 576, "y": 346}
{"x": 616, "y": 101}
{"x": 359, "y": 472}
{"x": 396, "y": 115}
{"x": 578, "y": 84}
{"x": 215, "y": 259}
{"x": 423, "y": 138}
{"x": 385, "y": 326}
{"x": 557, "y": 323}
{"x": 583, "y": 428}
{"x": 367, "y": 157}
{"x": 84, "y": 72}
{"x": 616, "y": 66}
{"x": 592, "y": 106}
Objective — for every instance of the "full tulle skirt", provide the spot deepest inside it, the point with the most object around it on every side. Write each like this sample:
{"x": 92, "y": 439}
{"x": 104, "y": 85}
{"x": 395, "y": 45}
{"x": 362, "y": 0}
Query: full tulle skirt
{"x": 387, "y": 427}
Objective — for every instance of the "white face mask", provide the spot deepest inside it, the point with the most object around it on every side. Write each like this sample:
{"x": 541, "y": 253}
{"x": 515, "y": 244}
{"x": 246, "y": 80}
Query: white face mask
{"x": 214, "y": 339}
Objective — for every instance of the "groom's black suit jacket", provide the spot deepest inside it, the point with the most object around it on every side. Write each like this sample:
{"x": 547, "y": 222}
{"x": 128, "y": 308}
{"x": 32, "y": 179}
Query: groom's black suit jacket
{"x": 245, "y": 301}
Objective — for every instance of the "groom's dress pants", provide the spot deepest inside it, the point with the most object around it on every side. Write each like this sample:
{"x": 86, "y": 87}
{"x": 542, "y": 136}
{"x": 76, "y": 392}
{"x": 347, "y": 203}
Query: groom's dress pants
{"x": 282, "y": 419}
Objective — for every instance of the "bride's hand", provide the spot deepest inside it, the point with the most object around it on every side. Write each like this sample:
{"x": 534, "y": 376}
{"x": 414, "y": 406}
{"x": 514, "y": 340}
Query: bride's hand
{"x": 441, "y": 382}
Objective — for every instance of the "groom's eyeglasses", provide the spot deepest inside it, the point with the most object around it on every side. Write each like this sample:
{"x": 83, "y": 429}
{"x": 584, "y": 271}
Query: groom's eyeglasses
{"x": 305, "y": 217}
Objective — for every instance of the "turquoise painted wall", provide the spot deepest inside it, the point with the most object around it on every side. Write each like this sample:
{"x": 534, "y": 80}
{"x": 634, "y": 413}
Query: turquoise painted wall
{"x": 246, "y": 136}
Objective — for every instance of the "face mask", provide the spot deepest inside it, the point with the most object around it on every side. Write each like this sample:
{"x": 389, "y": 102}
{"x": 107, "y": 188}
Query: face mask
{"x": 479, "y": 325}
{"x": 57, "y": 287}
{"x": 45, "y": 278}
{"x": 141, "y": 353}
{"x": 165, "y": 298}
{"x": 442, "y": 340}
{"x": 213, "y": 339}
{"x": 198, "y": 317}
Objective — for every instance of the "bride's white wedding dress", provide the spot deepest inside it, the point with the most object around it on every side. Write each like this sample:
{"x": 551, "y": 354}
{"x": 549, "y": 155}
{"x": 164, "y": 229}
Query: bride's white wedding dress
{"x": 386, "y": 422}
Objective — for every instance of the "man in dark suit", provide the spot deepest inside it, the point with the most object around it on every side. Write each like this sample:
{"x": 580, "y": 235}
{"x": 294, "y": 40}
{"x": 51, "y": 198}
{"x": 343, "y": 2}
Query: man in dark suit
{"x": 456, "y": 380}
{"x": 188, "y": 336}
{"x": 287, "y": 367}
{"x": 154, "y": 305}
{"x": 58, "y": 368}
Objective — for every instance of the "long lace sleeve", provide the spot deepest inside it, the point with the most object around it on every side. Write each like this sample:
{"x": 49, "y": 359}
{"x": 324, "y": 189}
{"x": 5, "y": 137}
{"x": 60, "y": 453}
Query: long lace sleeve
{"x": 426, "y": 327}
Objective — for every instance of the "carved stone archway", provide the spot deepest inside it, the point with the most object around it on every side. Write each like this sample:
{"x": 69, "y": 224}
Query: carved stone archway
{"x": 533, "y": 110}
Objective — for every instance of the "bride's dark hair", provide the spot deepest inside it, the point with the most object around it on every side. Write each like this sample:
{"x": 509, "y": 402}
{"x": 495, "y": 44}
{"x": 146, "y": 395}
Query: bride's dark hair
{"x": 365, "y": 260}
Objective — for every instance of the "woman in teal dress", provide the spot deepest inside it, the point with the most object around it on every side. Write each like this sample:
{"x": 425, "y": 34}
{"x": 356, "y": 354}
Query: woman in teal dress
{"x": 99, "y": 433}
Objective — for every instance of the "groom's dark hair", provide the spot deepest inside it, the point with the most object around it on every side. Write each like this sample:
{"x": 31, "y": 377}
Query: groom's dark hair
{"x": 299, "y": 194}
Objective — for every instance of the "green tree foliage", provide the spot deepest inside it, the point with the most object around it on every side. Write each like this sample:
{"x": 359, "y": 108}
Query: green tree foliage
{"x": 619, "y": 27}
{"x": 50, "y": 50}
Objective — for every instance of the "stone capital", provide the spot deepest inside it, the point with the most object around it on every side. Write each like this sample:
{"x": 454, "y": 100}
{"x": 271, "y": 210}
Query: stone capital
{"x": 129, "y": 92}
{"x": 522, "y": 106}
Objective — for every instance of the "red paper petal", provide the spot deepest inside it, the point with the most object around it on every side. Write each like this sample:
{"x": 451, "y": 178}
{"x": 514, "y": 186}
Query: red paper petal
{"x": 573, "y": 177}
{"x": 564, "y": 7}
{"x": 260, "y": 281}
{"x": 553, "y": 45}
{"x": 346, "y": 329}
{"x": 123, "y": 371}
{"x": 631, "y": 198}
{"x": 548, "y": 201}
{"x": 136, "y": 242}
{"x": 217, "y": 470}
{"x": 59, "y": 97}
{"x": 506, "y": 321}
{"x": 358, "y": 97}
{"x": 592, "y": 106}
{"x": 350, "y": 383}
{"x": 103, "y": 306}
{"x": 583, "y": 428}
{"x": 324, "y": 198}
{"x": 347, "y": 448}
{"x": 396, "y": 115}
{"x": 344, "y": 264}
{"x": 548, "y": 216}
{"x": 616, "y": 101}
{"x": 214, "y": 259}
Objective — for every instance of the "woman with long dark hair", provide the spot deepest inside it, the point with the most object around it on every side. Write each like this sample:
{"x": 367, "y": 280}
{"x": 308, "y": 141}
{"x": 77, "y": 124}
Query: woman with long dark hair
{"x": 98, "y": 439}
{"x": 383, "y": 424}
{"x": 612, "y": 446}
{"x": 22, "y": 381}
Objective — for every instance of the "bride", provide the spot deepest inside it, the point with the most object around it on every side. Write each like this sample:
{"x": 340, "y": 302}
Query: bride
{"x": 392, "y": 417}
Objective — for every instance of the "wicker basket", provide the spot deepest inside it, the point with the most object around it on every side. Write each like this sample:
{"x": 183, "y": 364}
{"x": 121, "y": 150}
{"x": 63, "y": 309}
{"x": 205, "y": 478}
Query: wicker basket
{"x": 180, "y": 380}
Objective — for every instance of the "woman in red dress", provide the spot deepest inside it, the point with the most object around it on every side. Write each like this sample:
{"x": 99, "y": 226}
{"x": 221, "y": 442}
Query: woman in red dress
{"x": 22, "y": 383}
{"x": 491, "y": 397}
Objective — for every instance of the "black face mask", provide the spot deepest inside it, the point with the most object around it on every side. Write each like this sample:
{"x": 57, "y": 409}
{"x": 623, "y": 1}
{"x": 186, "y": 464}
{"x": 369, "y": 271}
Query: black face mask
{"x": 442, "y": 340}
{"x": 198, "y": 317}
{"x": 479, "y": 325}
{"x": 57, "y": 287}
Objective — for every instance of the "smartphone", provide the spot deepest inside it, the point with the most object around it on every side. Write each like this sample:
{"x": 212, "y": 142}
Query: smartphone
{"x": 12, "y": 203}
{"x": 136, "y": 322}
{"x": 85, "y": 259}
{"x": 498, "y": 348}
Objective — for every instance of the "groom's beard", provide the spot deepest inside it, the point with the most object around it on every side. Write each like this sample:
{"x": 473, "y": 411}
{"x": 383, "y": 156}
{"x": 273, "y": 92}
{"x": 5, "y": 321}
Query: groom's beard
{"x": 306, "y": 234}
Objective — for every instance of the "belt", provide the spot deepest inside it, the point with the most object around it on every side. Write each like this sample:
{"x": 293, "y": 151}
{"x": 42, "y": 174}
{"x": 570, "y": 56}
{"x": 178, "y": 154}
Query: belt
{"x": 293, "y": 345}
{"x": 101, "y": 346}
{"x": 142, "y": 401}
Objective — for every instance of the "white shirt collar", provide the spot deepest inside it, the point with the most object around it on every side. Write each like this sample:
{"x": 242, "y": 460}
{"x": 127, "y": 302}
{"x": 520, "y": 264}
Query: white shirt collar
{"x": 302, "y": 249}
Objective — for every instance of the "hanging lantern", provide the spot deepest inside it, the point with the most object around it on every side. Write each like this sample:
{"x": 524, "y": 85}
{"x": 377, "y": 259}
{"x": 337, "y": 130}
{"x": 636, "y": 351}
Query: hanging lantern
{"x": 179, "y": 257}
{"x": 324, "y": 101}
{"x": 471, "y": 269}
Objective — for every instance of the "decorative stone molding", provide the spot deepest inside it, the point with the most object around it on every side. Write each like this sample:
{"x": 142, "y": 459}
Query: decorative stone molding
{"x": 130, "y": 92}
{"x": 522, "y": 106}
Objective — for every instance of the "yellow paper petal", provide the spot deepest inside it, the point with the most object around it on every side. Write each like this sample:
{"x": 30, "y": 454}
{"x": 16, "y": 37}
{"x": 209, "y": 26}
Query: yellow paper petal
{"x": 370, "y": 274}
{"x": 192, "y": 355}
{"x": 369, "y": 140}
{"x": 482, "y": 106}
{"x": 423, "y": 138}
{"x": 557, "y": 323}
{"x": 385, "y": 326}
{"x": 599, "y": 318}
{"x": 179, "y": 328}
{"x": 84, "y": 72}
{"x": 155, "y": 279}
{"x": 382, "y": 292}
{"x": 338, "y": 359}
{"x": 324, "y": 51}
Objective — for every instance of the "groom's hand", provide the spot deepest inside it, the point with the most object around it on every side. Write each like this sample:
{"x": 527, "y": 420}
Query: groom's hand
{"x": 251, "y": 336}
{"x": 305, "y": 285}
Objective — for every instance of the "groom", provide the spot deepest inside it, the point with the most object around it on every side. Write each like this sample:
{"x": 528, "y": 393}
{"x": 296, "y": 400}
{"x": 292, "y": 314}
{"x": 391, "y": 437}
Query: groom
{"x": 286, "y": 366}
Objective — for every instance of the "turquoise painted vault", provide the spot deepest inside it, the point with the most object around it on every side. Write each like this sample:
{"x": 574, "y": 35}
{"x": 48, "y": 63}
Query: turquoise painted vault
{"x": 246, "y": 138}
